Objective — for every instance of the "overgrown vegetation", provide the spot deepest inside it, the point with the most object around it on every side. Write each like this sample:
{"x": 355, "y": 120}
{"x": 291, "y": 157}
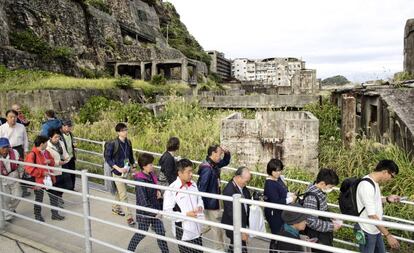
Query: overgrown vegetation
{"x": 101, "y": 5}
{"x": 403, "y": 76}
{"x": 180, "y": 38}
{"x": 28, "y": 41}
{"x": 124, "y": 82}
{"x": 335, "y": 80}
{"x": 158, "y": 80}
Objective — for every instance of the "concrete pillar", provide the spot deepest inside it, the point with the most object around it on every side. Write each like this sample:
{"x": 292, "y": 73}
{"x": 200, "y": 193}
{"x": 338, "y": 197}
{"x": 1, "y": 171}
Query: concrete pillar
{"x": 116, "y": 74}
{"x": 409, "y": 46}
{"x": 142, "y": 70}
{"x": 154, "y": 69}
{"x": 184, "y": 70}
{"x": 348, "y": 120}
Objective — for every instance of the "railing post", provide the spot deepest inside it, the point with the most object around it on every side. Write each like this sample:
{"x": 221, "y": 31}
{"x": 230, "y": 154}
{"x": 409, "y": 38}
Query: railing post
{"x": 86, "y": 212}
{"x": 2, "y": 218}
{"x": 237, "y": 223}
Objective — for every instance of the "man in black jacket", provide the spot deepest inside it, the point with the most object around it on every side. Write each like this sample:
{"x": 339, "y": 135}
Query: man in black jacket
{"x": 237, "y": 186}
{"x": 67, "y": 138}
{"x": 167, "y": 162}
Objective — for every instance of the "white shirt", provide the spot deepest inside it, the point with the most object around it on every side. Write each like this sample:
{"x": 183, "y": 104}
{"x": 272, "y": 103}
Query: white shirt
{"x": 370, "y": 199}
{"x": 17, "y": 135}
{"x": 186, "y": 203}
{"x": 14, "y": 174}
{"x": 56, "y": 156}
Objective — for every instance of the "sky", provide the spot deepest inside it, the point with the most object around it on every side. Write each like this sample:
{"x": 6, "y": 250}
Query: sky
{"x": 359, "y": 39}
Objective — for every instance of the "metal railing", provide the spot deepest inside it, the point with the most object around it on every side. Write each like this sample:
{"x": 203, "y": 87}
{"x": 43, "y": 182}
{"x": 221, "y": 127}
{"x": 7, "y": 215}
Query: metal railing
{"x": 236, "y": 199}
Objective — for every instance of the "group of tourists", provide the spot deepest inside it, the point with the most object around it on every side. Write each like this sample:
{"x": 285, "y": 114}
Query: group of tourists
{"x": 55, "y": 147}
{"x": 177, "y": 173}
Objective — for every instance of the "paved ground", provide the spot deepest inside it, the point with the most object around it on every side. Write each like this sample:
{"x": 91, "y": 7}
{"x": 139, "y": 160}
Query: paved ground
{"x": 44, "y": 239}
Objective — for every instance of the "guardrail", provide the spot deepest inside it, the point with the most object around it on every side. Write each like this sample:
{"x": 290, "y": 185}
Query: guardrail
{"x": 236, "y": 228}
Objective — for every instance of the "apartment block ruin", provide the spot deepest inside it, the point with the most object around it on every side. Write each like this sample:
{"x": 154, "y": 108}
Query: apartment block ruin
{"x": 220, "y": 65}
{"x": 292, "y": 137}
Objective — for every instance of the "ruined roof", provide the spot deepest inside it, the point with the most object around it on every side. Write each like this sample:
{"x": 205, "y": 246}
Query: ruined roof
{"x": 402, "y": 103}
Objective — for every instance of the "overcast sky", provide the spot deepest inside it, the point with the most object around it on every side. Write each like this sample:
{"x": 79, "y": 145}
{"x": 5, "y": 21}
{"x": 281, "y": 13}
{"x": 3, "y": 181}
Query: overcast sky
{"x": 360, "y": 39}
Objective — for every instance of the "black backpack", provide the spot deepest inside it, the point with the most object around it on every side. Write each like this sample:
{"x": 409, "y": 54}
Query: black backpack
{"x": 116, "y": 146}
{"x": 347, "y": 197}
{"x": 302, "y": 197}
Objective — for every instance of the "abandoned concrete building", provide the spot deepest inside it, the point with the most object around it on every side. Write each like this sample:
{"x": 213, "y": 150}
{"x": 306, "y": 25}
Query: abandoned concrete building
{"x": 220, "y": 65}
{"x": 383, "y": 113}
{"x": 290, "y": 136}
{"x": 409, "y": 46}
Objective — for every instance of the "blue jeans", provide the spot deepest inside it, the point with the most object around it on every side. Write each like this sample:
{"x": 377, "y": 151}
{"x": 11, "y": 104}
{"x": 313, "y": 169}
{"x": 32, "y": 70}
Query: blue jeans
{"x": 374, "y": 244}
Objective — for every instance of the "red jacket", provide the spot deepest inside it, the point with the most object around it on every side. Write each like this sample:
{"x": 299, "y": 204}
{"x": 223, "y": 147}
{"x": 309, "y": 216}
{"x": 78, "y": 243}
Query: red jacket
{"x": 36, "y": 172}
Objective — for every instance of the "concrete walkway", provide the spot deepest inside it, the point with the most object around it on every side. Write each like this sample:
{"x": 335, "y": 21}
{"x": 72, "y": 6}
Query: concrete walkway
{"x": 36, "y": 237}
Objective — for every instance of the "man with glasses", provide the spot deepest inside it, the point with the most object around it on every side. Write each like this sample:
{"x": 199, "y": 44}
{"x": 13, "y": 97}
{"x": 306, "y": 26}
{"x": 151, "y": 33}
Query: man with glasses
{"x": 370, "y": 200}
{"x": 119, "y": 156}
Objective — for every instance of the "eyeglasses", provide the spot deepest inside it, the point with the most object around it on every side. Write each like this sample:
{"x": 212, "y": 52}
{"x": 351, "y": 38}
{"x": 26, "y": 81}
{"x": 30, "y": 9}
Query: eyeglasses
{"x": 392, "y": 174}
{"x": 124, "y": 130}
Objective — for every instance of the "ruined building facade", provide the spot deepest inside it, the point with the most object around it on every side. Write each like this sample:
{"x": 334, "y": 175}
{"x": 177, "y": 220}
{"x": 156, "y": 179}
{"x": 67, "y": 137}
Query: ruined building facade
{"x": 290, "y": 136}
{"x": 220, "y": 65}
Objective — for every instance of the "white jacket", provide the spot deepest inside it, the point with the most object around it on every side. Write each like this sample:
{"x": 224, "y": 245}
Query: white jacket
{"x": 186, "y": 203}
{"x": 56, "y": 156}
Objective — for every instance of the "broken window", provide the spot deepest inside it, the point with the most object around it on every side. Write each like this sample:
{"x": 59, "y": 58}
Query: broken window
{"x": 373, "y": 116}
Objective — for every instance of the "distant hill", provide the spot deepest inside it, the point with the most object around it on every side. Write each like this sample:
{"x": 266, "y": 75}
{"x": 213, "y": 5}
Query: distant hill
{"x": 335, "y": 80}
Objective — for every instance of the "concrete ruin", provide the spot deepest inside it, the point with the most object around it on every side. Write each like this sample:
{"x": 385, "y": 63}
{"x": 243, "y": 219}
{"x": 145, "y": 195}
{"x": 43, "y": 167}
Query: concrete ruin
{"x": 409, "y": 46}
{"x": 291, "y": 136}
{"x": 382, "y": 113}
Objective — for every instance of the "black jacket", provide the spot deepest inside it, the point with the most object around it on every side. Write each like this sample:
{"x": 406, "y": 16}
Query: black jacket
{"x": 288, "y": 247}
{"x": 231, "y": 189}
{"x": 145, "y": 196}
{"x": 168, "y": 167}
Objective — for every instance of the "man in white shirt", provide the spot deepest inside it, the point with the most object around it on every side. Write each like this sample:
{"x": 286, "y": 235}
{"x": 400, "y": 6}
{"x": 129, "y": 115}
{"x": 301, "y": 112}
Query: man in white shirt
{"x": 185, "y": 204}
{"x": 370, "y": 201}
{"x": 17, "y": 136}
{"x": 10, "y": 170}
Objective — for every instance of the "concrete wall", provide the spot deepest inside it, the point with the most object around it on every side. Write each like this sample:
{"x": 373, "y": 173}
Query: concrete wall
{"x": 258, "y": 101}
{"x": 63, "y": 101}
{"x": 290, "y": 136}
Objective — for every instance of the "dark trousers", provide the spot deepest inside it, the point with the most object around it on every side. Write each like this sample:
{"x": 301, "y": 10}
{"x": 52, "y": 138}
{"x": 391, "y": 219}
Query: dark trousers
{"x": 71, "y": 165}
{"x": 143, "y": 224}
{"x": 20, "y": 150}
{"x": 229, "y": 234}
{"x": 325, "y": 238}
{"x": 39, "y": 198}
{"x": 179, "y": 235}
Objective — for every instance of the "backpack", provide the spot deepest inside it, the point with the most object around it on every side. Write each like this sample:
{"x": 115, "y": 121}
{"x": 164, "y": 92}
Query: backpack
{"x": 347, "y": 196}
{"x": 116, "y": 146}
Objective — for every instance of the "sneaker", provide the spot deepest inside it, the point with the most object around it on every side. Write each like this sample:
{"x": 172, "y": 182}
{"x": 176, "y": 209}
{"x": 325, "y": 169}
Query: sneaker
{"x": 57, "y": 217}
{"x": 118, "y": 212}
{"x": 131, "y": 222}
{"x": 40, "y": 218}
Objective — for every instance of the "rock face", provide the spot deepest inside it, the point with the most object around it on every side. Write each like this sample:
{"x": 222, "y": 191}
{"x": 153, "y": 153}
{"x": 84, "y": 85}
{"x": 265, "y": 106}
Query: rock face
{"x": 409, "y": 46}
{"x": 70, "y": 36}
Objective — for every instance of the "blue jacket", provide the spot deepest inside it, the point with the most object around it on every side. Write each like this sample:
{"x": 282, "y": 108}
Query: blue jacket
{"x": 209, "y": 180}
{"x": 146, "y": 197}
{"x": 123, "y": 153}
{"x": 275, "y": 192}
{"x": 50, "y": 124}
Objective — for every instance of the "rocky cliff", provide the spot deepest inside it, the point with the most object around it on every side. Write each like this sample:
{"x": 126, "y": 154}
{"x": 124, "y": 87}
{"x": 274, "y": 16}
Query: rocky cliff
{"x": 76, "y": 37}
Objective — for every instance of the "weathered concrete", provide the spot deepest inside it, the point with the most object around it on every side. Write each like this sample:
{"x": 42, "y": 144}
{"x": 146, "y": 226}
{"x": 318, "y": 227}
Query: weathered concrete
{"x": 68, "y": 100}
{"x": 258, "y": 101}
{"x": 409, "y": 46}
{"x": 290, "y": 136}
{"x": 348, "y": 120}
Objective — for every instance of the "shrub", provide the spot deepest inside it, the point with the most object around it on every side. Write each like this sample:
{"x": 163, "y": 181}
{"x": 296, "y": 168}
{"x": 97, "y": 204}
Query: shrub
{"x": 62, "y": 53}
{"x": 91, "y": 111}
{"x": 403, "y": 76}
{"x": 101, "y": 5}
{"x": 124, "y": 82}
{"x": 158, "y": 80}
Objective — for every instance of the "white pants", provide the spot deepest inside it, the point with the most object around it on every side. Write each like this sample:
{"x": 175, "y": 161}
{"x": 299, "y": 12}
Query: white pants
{"x": 12, "y": 188}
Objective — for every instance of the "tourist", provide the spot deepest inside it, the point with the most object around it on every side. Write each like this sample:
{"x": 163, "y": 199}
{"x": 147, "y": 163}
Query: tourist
{"x": 209, "y": 181}
{"x": 369, "y": 201}
{"x": 150, "y": 198}
{"x": 39, "y": 155}
{"x": 10, "y": 170}
{"x": 51, "y": 123}
{"x": 17, "y": 136}
{"x": 315, "y": 198}
{"x": 168, "y": 172}
{"x": 276, "y": 191}
{"x": 57, "y": 149}
{"x": 20, "y": 116}
{"x": 186, "y": 204}
{"x": 119, "y": 157}
{"x": 237, "y": 186}
{"x": 67, "y": 138}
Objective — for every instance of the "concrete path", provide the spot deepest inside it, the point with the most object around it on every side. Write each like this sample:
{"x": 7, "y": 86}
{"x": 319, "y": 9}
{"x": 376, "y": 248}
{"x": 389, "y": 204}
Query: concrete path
{"x": 36, "y": 237}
